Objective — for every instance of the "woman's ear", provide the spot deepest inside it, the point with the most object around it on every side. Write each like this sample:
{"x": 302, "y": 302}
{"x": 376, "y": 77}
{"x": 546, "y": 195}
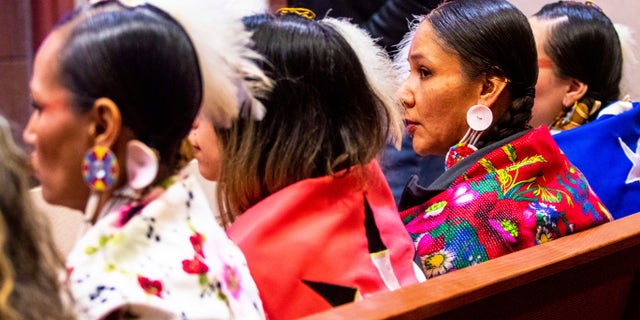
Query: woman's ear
{"x": 108, "y": 122}
{"x": 576, "y": 90}
{"x": 492, "y": 88}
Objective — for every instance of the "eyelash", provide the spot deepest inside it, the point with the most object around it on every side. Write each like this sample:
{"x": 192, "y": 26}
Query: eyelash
{"x": 36, "y": 106}
{"x": 424, "y": 72}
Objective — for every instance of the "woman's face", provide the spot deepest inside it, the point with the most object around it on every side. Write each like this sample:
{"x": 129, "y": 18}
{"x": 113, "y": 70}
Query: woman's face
{"x": 550, "y": 89}
{"x": 436, "y": 94}
{"x": 205, "y": 147}
{"x": 59, "y": 136}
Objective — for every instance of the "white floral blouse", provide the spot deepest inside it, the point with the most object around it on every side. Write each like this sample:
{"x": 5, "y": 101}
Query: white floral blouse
{"x": 162, "y": 257}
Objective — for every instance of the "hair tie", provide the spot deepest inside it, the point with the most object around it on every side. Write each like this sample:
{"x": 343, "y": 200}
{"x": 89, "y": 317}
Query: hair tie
{"x": 594, "y": 5}
{"x": 303, "y": 12}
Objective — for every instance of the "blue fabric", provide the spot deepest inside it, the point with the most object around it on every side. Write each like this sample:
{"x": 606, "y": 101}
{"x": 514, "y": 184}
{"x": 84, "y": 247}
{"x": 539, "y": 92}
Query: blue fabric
{"x": 399, "y": 165}
{"x": 596, "y": 150}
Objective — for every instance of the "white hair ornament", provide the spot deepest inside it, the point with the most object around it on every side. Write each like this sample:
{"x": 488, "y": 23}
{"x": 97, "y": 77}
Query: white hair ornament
{"x": 379, "y": 70}
{"x": 227, "y": 64}
{"x": 231, "y": 79}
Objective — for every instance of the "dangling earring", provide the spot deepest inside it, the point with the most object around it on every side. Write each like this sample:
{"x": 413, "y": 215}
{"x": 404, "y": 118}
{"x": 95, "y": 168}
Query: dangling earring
{"x": 100, "y": 171}
{"x": 479, "y": 118}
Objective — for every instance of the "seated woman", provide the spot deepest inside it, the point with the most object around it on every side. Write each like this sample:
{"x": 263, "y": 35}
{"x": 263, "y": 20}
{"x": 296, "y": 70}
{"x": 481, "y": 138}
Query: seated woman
{"x": 309, "y": 205}
{"x": 469, "y": 95}
{"x": 115, "y": 90}
{"x": 572, "y": 93}
{"x": 29, "y": 263}
{"x": 571, "y": 89}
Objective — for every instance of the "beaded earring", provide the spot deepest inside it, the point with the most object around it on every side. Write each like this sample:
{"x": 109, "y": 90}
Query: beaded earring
{"x": 479, "y": 118}
{"x": 100, "y": 171}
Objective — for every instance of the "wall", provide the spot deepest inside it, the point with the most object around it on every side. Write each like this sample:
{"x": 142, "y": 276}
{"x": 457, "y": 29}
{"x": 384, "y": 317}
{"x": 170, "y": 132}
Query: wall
{"x": 619, "y": 11}
{"x": 15, "y": 57}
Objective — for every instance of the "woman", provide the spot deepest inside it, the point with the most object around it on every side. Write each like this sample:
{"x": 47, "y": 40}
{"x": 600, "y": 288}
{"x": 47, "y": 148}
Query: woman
{"x": 469, "y": 95}
{"x": 580, "y": 61}
{"x": 312, "y": 211}
{"x": 29, "y": 264}
{"x": 570, "y": 87}
{"x": 125, "y": 83}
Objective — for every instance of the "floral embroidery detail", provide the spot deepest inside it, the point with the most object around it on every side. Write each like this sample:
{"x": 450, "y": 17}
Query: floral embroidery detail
{"x": 438, "y": 263}
{"x": 517, "y": 196}
{"x": 543, "y": 235}
{"x": 152, "y": 287}
{"x": 507, "y": 228}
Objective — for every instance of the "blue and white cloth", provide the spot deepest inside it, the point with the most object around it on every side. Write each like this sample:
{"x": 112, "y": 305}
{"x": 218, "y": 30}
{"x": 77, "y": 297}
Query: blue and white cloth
{"x": 607, "y": 151}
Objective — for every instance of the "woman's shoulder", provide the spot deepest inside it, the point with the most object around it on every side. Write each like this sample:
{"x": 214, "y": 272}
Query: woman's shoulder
{"x": 169, "y": 254}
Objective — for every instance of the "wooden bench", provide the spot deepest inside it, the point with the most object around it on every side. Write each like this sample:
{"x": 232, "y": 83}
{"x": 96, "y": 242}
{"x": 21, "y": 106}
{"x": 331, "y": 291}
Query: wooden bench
{"x": 593, "y": 274}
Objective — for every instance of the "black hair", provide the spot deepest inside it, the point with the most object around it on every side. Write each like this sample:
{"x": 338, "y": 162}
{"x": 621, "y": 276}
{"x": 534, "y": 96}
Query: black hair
{"x": 495, "y": 38}
{"x": 142, "y": 60}
{"x": 584, "y": 45}
{"x": 322, "y": 114}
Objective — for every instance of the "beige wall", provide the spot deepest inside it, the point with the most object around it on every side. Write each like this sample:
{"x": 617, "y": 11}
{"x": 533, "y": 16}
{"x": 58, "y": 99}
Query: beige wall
{"x": 626, "y": 12}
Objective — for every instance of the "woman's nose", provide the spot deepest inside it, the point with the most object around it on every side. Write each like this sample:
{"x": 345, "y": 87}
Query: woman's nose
{"x": 28, "y": 134}
{"x": 406, "y": 95}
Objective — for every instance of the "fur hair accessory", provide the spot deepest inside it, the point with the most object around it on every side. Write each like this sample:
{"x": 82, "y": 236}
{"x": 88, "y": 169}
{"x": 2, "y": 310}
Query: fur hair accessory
{"x": 227, "y": 64}
{"x": 231, "y": 79}
{"x": 379, "y": 70}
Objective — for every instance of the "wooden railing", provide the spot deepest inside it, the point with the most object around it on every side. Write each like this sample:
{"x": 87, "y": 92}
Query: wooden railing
{"x": 593, "y": 274}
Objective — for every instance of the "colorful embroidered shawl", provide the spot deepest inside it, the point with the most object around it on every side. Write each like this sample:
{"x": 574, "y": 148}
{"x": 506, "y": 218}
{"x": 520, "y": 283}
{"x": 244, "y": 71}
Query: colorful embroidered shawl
{"x": 519, "y": 194}
{"x": 325, "y": 241}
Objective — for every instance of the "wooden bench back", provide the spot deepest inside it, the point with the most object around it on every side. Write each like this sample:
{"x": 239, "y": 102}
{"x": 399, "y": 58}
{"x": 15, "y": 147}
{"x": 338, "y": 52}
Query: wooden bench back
{"x": 593, "y": 274}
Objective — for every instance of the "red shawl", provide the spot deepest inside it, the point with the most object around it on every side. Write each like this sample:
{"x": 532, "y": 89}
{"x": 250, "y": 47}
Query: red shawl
{"x": 326, "y": 241}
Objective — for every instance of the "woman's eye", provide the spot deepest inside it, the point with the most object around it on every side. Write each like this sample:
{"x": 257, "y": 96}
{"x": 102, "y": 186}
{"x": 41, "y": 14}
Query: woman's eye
{"x": 36, "y": 107}
{"x": 424, "y": 72}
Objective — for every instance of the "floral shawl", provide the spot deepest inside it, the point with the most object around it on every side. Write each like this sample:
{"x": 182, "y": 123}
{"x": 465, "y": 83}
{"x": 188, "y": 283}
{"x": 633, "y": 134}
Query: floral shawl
{"x": 505, "y": 197}
{"x": 325, "y": 241}
{"x": 162, "y": 257}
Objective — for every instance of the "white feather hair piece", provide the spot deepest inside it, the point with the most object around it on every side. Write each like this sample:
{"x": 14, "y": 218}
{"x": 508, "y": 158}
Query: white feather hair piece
{"x": 231, "y": 79}
{"x": 379, "y": 70}
{"x": 401, "y": 59}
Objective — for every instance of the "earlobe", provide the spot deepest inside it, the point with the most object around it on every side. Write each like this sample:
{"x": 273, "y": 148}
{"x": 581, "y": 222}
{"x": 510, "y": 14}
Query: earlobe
{"x": 108, "y": 122}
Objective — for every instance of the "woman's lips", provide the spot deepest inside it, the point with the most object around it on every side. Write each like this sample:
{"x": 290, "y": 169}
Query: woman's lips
{"x": 411, "y": 126}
